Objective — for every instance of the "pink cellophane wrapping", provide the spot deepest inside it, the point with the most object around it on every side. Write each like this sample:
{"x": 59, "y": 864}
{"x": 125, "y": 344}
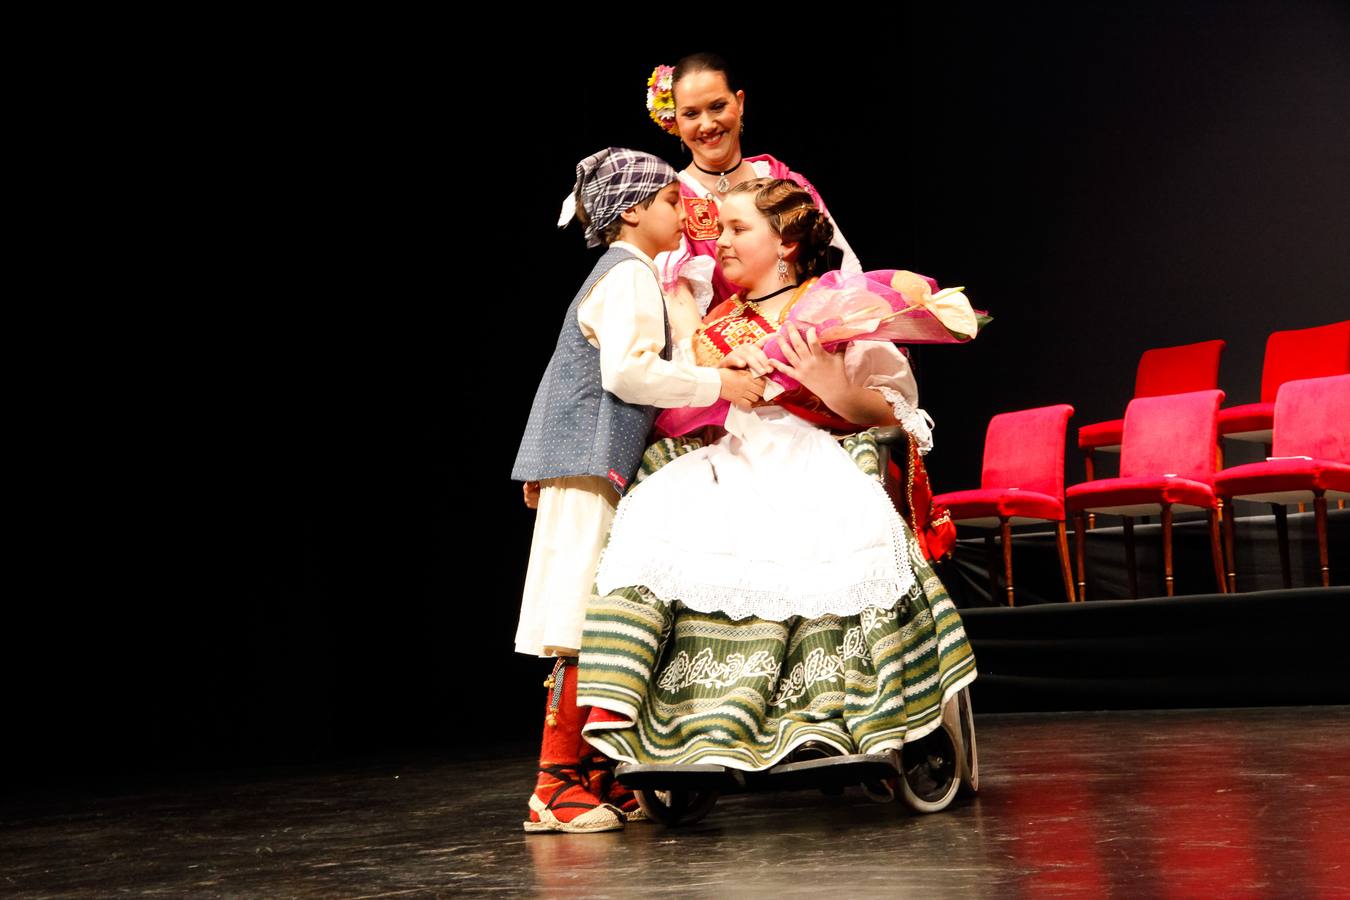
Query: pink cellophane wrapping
{"x": 882, "y": 305}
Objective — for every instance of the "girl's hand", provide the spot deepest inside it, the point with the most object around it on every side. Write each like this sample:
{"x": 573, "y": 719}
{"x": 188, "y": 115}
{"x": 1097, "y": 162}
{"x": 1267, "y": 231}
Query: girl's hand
{"x": 749, "y": 356}
{"x": 530, "y": 489}
{"x": 819, "y": 370}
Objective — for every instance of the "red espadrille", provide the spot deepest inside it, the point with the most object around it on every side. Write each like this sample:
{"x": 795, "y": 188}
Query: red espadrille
{"x": 600, "y": 779}
{"x": 562, "y": 800}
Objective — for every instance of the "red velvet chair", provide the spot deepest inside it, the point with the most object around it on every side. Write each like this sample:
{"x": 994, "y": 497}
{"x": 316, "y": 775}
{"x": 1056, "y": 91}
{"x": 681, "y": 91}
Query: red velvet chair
{"x": 1290, "y": 356}
{"x": 1167, "y": 463}
{"x": 1165, "y": 370}
{"x": 1311, "y": 461}
{"x": 1022, "y": 481}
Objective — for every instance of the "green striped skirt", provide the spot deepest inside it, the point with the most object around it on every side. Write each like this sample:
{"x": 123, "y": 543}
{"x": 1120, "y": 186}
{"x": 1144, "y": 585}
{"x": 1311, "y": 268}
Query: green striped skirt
{"x": 691, "y": 687}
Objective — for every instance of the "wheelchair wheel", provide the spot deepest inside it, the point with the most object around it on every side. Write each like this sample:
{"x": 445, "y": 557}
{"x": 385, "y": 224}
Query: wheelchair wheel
{"x": 929, "y": 776}
{"x": 678, "y": 807}
{"x": 964, "y": 715}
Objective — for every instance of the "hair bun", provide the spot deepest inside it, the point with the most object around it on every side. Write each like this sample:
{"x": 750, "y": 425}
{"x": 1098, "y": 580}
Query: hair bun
{"x": 822, "y": 229}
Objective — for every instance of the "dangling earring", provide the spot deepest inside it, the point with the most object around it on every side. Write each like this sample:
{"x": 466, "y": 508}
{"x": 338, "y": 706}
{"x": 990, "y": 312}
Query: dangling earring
{"x": 742, "y": 131}
{"x": 782, "y": 267}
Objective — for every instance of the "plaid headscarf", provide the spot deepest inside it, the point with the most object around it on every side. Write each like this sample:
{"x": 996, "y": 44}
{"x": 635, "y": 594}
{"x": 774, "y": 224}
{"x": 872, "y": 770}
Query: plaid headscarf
{"x": 612, "y": 180}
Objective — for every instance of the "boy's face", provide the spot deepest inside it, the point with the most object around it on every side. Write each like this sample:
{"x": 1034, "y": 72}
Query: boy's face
{"x": 660, "y": 225}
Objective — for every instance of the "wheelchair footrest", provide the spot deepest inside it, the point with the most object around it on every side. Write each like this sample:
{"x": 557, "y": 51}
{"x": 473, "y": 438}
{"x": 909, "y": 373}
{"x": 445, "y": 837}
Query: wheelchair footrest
{"x": 833, "y": 771}
{"x": 696, "y": 777}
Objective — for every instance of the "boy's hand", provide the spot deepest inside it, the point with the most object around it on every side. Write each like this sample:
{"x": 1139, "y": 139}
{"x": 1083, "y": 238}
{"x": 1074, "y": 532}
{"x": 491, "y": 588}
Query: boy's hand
{"x": 531, "y": 491}
{"x": 749, "y": 356}
{"x": 741, "y": 388}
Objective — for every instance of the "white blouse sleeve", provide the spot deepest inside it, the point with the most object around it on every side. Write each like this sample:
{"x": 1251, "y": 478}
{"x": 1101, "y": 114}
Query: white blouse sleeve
{"x": 880, "y": 366}
{"x": 695, "y": 270}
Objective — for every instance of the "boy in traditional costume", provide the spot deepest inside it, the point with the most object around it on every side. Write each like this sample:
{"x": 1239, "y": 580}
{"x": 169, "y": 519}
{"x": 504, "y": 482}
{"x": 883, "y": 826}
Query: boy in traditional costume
{"x": 587, "y": 430}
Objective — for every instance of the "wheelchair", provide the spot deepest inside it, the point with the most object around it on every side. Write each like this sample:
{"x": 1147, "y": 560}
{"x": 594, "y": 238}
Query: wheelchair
{"x": 926, "y": 774}
{"x": 929, "y": 774}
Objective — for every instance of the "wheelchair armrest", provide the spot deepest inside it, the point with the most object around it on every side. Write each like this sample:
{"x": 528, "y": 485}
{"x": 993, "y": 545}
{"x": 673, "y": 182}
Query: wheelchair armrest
{"x": 888, "y": 437}
{"x": 891, "y": 434}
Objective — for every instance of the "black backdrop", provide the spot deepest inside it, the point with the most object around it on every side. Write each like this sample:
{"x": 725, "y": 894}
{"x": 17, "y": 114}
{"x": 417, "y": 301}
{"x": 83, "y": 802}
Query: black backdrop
{"x": 304, "y": 542}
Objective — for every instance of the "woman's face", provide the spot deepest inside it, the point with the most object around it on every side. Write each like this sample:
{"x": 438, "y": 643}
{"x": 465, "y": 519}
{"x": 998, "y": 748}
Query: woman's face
{"x": 709, "y": 117}
{"x": 748, "y": 247}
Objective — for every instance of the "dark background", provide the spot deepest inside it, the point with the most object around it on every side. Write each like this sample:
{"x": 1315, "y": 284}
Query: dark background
{"x": 304, "y": 542}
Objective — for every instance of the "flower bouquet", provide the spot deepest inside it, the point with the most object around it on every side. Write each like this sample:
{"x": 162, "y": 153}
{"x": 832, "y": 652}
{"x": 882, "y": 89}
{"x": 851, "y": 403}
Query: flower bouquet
{"x": 883, "y": 305}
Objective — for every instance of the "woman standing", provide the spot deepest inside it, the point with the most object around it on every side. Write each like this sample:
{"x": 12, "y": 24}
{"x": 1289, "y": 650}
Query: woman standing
{"x": 696, "y": 102}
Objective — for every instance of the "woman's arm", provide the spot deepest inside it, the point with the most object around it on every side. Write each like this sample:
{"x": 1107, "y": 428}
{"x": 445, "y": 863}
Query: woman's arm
{"x": 686, "y": 280}
{"x": 684, "y": 312}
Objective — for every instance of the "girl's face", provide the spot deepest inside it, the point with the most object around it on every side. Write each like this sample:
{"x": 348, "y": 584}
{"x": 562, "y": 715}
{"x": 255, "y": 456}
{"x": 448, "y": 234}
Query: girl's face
{"x": 709, "y": 117}
{"x": 748, "y": 247}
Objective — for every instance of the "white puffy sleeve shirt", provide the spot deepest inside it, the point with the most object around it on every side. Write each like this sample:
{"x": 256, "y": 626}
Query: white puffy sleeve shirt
{"x": 882, "y": 367}
{"x": 624, "y": 317}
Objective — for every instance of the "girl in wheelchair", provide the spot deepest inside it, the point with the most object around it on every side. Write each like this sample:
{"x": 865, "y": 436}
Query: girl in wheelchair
{"x": 764, "y": 615}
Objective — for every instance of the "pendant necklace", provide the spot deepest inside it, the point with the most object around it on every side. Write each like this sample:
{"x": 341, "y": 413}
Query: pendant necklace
{"x": 722, "y": 184}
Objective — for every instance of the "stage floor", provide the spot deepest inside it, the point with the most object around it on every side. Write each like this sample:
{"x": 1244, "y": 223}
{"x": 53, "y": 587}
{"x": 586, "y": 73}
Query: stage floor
{"x": 1182, "y": 803}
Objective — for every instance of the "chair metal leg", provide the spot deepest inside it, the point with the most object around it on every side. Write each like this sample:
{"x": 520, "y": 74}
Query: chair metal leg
{"x": 1167, "y": 548}
{"x": 1282, "y": 533}
{"x": 1061, "y": 538}
{"x": 1229, "y": 555}
{"x": 1320, "y": 514}
{"x": 1091, "y": 469}
{"x": 1218, "y": 467}
{"x": 1216, "y": 551}
{"x": 1005, "y": 535}
{"x": 1131, "y": 569}
{"x": 991, "y": 561}
{"x": 1079, "y": 534}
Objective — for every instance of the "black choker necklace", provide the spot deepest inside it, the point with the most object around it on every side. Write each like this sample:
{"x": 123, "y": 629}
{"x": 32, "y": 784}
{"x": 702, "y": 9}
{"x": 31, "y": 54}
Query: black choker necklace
{"x": 722, "y": 184}
{"x": 770, "y": 296}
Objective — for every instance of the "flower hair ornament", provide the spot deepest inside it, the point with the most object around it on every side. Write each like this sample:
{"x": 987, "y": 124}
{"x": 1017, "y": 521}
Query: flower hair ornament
{"x": 661, "y": 99}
